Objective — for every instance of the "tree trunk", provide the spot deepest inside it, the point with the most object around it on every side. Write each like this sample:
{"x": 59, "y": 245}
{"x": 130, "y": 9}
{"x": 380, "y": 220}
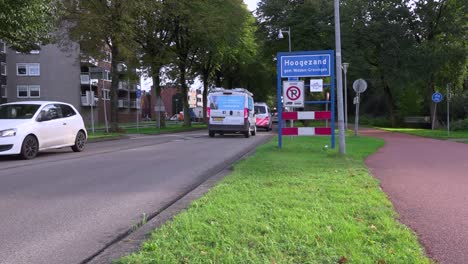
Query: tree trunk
{"x": 183, "y": 83}
{"x": 114, "y": 110}
{"x": 389, "y": 101}
{"x": 218, "y": 82}
{"x": 205, "y": 96}
{"x": 157, "y": 88}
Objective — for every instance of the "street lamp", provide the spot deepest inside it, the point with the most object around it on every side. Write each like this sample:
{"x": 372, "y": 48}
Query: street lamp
{"x": 345, "y": 66}
{"x": 280, "y": 36}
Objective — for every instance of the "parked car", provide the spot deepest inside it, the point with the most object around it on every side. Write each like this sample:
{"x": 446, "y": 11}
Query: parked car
{"x": 263, "y": 116}
{"x": 27, "y": 128}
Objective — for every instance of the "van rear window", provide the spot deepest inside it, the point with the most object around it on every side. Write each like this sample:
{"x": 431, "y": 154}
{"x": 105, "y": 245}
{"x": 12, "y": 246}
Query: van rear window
{"x": 260, "y": 109}
{"x": 227, "y": 102}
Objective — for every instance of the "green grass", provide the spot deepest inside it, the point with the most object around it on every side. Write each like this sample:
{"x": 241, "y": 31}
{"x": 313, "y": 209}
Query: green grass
{"x": 439, "y": 134}
{"x": 301, "y": 204}
{"x": 171, "y": 128}
{"x": 98, "y": 135}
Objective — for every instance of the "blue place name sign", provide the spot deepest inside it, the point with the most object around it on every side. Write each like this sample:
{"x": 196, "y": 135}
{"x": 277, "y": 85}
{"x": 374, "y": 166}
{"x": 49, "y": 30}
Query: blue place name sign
{"x": 305, "y": 65}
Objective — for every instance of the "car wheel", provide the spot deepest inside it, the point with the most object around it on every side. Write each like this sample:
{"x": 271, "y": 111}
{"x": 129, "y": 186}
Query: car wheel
{"x": 29, "y": 148}
{"x": 211, "y": 133}
{"x": 80, "y": 142}
{"x": 254, "y": 131}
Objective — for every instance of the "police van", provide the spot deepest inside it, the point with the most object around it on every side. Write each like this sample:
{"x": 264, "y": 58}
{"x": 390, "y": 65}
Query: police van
{"x": 231, "y": 111}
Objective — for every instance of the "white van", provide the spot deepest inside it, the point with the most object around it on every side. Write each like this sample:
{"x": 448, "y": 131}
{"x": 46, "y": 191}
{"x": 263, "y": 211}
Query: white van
{"x": 231, "y": 111}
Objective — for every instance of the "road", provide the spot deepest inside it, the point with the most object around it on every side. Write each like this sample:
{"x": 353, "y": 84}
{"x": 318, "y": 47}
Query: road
{"x": 63, "y": 207}
{"x": 427, "y": 181}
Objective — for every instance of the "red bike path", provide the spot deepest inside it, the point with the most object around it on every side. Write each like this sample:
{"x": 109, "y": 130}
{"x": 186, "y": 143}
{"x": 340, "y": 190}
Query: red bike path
{"x": 427, "y": 182}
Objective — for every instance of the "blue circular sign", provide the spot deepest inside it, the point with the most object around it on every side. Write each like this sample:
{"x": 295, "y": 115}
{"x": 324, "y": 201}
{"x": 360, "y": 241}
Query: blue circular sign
{"x": 437, "y": 97}
{"x": 138, "y": 93}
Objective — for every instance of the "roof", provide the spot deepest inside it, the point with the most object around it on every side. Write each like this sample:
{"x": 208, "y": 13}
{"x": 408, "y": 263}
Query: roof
{"x": 37, "y": 102}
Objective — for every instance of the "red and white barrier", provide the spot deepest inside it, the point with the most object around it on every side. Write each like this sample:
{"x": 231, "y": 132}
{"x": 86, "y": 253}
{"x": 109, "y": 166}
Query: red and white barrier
{"x": 306, "y": 131}
{"x": 307, "y": 115}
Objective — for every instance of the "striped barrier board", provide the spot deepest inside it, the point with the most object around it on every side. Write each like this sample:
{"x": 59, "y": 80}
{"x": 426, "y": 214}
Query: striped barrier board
{"x": 306, "y": 131}
{"x": 307, "y": 115}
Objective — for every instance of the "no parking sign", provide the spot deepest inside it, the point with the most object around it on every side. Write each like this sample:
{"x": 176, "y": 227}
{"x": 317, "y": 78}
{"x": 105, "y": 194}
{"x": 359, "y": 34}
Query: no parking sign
{"x": 293, "y": 93}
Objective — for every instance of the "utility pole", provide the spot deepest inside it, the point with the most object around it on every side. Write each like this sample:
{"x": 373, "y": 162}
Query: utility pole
{"x": 339, "y": 81}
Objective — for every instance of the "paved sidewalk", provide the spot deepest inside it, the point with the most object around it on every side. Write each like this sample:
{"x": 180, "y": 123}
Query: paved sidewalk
{"x": 427, "y": 181}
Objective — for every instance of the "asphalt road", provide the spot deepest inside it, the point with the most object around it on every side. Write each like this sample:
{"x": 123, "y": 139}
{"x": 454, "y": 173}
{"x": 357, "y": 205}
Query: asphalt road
{"x": 63, "y": 207}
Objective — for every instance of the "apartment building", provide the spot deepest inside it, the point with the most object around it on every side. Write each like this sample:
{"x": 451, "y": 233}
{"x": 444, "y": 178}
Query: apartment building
{"x": 54, "y": 73}
{"x": 3, "y": 73}
{"x": 195, "y": 98}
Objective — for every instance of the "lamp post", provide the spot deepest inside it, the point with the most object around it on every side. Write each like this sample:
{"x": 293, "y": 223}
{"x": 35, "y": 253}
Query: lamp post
{"x": 345, "y": 70}
{"x": 280, "y": 36}
{"x": 341, "y": 128}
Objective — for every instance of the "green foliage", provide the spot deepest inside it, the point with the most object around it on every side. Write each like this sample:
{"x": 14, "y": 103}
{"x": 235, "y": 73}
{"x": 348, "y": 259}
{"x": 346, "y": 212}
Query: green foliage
{"x": 24, "y": 25}
{"x": 301, "y": 204}
{"x": 459, "y": 125}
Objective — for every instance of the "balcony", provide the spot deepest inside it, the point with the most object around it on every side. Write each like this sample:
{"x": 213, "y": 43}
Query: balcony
{"x": 121, "y": 103}
{"x": 86, "y": 101}
{"x": 84, "y": 77}
{"x": 135, "y": 104}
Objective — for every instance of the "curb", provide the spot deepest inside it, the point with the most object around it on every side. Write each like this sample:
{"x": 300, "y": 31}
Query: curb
{"x": 130, "y": 241}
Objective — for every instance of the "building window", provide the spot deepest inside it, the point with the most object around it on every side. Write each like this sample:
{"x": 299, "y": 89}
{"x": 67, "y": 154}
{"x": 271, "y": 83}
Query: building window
{"x": 34, "y": 91}
{"x": 28, "y": 69}
{"x": 105, "y": 94}
{"x": 3, "y": 91}
{"x": 22, "y": 91}
{"x": 3, "y": 68}
{"x": 31, "y": 91}
{"x": 2, "y": 47}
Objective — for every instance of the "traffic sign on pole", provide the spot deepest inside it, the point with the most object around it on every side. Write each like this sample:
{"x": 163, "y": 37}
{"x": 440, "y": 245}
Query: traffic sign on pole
{"x": 437, "y": 97}
{"x": 293, "y": 93}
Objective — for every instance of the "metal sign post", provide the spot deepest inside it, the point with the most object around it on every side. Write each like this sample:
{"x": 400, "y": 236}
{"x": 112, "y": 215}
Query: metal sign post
{"x": 436, "y": 98}
{"x": 448, "y": 109}
{"x": 359, "y": 87}
{"x": 304, "y": 64}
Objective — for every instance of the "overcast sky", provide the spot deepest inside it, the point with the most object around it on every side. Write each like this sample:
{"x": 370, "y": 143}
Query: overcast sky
{"x": 251, "y": 4}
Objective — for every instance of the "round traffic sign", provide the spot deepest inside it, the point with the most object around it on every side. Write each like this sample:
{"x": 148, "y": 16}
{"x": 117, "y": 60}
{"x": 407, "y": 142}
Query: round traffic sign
{"x": 293, "y": 93}
{"x": 437, "y": 97}
{"x": 360, "y": 86}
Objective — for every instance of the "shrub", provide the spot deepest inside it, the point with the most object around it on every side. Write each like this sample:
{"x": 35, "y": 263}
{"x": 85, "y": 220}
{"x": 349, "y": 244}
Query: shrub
{"x": 460, "y": 125}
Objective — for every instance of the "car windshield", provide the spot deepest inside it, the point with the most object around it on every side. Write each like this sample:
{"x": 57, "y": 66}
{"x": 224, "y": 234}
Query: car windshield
{"x": 260, "y": 109}
{"x": 18, "y": 111}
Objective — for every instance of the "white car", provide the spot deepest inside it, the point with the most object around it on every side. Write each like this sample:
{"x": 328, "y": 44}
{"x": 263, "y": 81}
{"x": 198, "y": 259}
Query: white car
{"x": 29, "y": 127}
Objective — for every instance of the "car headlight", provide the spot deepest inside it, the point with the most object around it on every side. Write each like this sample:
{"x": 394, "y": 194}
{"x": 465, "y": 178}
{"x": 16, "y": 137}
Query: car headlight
{"x": 8, "y": 132}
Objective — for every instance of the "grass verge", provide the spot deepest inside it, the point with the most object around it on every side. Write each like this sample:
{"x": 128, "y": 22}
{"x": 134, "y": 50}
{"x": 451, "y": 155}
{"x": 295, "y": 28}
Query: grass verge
{"x": 301, "y": 204}
{"x": 172, "y": 128}
{"x": 438, "y": 134}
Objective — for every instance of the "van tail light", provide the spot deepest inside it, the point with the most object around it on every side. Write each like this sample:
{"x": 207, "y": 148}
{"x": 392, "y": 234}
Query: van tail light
{"x": 208, "y": 112}
{"x": 246, "y": 113}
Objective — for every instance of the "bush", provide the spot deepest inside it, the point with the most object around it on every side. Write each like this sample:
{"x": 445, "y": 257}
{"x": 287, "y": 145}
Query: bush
{"x": 460, "y": 125}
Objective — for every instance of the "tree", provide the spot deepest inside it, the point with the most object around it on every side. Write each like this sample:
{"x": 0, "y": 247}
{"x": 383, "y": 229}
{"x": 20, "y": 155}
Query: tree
{"x": 100, "y": 26}
{"x": 153, "y": 37}
{"x": 438, "y": 28}
{"x": 229, "y": 18}
{"x": 24, "y": 25}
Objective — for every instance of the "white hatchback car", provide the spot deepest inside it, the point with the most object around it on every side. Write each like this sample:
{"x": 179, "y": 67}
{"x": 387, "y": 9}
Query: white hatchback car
{"x": 29, "y": 127}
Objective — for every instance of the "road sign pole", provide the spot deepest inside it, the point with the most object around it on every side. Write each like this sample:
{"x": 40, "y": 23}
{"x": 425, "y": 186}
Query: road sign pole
{"x": 434, "y": 116}
{"x": 356, "y": 119}
{"x": 341, "y": 130}
{"x": 448, "y": 109}
{"x": 280, "y": 104}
